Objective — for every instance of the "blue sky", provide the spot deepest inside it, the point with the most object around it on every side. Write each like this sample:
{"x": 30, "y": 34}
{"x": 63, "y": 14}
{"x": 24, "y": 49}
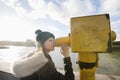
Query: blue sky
{"x": 20, "y": 18}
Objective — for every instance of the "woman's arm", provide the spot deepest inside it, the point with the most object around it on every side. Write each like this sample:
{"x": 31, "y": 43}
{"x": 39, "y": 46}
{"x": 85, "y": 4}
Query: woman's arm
{"x": 68, "y": 69}
{"x": 29, "y": 65}
{"x": 69, "y": 75}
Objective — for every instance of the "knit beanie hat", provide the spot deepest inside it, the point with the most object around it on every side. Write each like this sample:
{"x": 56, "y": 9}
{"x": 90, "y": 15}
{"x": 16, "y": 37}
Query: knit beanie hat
{"x": 43, "y": 36}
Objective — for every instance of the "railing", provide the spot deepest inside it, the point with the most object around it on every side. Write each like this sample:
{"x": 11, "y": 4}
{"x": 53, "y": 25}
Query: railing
{"x": 116, "y": 46}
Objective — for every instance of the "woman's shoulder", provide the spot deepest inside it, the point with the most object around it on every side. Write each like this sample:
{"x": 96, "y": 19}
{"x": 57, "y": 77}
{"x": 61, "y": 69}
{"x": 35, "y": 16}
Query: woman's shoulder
{"x": 29, "y": 54}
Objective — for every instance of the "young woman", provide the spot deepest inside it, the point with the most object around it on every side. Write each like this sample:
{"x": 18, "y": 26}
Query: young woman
{"x": 39, "y": 65}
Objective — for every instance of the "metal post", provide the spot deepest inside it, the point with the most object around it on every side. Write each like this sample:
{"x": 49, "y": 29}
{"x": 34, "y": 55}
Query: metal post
{"x": 88, "y": 63}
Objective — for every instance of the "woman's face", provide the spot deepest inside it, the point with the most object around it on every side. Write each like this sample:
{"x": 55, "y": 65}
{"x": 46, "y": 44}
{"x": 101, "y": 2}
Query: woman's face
{"x": 49, "y": 44}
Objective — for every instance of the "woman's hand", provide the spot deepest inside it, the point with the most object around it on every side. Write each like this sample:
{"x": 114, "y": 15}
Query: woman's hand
{"x": 64, "y": 50}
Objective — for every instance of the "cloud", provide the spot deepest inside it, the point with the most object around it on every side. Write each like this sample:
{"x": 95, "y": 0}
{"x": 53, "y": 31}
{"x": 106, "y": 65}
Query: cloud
{"x": 14, "y": 28}
{"x": 6, "y": 10}
{"x": 111, "y": 6}
{"x": 116, "y": 27}
{"x": 62, "y": 12}
{"x": 68, "y": 9}
{"x": 10, "y": 3}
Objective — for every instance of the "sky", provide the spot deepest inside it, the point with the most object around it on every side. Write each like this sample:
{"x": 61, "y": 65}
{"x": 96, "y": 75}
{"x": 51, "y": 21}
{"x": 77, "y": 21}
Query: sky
{"x": 20, "y": 18}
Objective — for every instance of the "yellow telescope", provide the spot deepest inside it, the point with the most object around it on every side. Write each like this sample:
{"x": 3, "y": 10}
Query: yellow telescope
{"x": 89, "y": 35}
{"x": 67, "y": 40}
{"x": 60, "y": 41}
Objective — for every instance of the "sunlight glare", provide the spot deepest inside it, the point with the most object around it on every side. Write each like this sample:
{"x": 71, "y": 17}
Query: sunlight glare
{"x": 13, "y": 28}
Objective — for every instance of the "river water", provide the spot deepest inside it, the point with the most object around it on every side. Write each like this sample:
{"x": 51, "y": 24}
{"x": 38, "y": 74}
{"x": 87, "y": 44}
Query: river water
{"x": 109, "y": 63}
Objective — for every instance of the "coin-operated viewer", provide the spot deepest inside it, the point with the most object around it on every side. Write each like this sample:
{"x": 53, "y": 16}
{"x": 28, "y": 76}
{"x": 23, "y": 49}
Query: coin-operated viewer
{"x": 89, "y": 36}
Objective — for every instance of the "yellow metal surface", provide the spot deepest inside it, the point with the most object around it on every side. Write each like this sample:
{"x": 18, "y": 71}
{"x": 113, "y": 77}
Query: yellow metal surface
{"x": 62, "y": 40}
{"x": 87, "y": 74}
{"x": 113, "y": 35}
{"x": 88, "y": 57}
{"x": 91, "y": 34}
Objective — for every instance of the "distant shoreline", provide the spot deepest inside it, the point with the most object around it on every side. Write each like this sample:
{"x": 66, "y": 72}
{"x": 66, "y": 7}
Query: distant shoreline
{"x": 4, "y": 47}
{"x": 17, "y": 43}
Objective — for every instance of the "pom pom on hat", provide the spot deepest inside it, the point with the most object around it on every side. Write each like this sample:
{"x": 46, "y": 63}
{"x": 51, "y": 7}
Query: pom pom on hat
{"x": 38, "y": 31}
